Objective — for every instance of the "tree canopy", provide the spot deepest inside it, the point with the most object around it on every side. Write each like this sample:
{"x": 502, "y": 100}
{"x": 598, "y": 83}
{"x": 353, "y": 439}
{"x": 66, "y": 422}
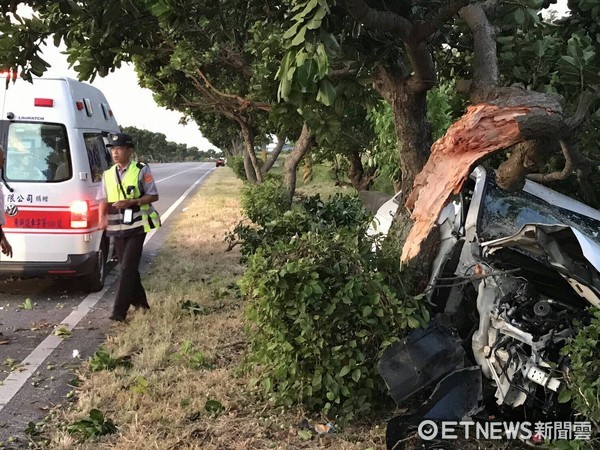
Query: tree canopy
{"x": 305, "y": 69}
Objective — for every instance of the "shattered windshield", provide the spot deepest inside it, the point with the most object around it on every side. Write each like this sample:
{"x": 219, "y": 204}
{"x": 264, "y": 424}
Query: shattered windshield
{"x": 504, "y": 214}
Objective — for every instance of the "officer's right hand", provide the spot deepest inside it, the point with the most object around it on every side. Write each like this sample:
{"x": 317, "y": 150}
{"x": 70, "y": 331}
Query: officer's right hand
{"x": 6, "y": 248}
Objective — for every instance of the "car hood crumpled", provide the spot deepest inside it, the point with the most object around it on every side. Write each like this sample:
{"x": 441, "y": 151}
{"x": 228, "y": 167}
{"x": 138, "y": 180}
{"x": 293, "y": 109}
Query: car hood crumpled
{"x": 568, "y": 250}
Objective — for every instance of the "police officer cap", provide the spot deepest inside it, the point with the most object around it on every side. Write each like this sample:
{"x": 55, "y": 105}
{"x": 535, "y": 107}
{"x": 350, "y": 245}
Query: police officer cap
{"x": 119, "y": 140}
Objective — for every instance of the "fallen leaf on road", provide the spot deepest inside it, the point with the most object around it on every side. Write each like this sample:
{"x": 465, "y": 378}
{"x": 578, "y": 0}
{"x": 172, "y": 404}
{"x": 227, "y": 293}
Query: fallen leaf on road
{"x": 41, "y": 325}
{"x": 4, "y": 342}
{"x": 62, "y": 331}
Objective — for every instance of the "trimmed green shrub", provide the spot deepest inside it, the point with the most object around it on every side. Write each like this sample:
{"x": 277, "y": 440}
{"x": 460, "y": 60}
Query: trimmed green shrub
{"x": 583, "y": 380}
{"x": 310, "y": 214}
{"x": 237, "y": 164}
{"x": 266, "y": 201}
{"x": 321, "y": 311}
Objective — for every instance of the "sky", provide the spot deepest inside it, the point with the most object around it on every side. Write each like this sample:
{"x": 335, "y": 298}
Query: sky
{"x": 131, "y": 104}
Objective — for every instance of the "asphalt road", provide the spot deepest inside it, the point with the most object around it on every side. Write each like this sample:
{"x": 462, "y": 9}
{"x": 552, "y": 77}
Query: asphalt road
{"x": 36, "y": 366}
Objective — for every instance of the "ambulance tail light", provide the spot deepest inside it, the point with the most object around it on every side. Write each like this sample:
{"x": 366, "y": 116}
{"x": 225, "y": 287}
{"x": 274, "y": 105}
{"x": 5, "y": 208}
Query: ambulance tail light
{"x": 79, "y": 214}
{"x": 45, "y": 102}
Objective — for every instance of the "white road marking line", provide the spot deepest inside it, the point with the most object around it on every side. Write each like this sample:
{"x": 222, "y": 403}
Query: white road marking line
{"x": 179, "y": 173}
{"x": 15, "y": 380}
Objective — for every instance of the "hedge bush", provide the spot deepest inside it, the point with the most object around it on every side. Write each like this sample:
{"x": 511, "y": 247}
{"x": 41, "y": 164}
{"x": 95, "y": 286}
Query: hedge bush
{"x": 237, "y": 164}
{"x": 583, "y": 381}
{"x": 266, "y": 201}
{"x": 321, "y": 309}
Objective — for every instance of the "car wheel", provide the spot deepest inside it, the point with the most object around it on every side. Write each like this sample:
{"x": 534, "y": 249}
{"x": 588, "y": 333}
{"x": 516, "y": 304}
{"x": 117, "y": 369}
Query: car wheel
{"x": 94, "y": 281}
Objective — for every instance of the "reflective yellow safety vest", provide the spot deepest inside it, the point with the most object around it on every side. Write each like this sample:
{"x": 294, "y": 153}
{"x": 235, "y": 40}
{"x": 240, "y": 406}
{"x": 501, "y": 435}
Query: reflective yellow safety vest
{"x": 144, "y": 217}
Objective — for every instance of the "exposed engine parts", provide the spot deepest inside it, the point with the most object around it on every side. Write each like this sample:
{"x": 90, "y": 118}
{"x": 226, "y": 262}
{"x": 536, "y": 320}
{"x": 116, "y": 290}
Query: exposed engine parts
{"x": 515, "y": 272}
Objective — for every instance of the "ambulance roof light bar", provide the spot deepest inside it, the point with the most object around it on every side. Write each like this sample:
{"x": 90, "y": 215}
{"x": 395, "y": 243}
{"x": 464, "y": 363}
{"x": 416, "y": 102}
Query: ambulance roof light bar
{"x": 44, "y": 102}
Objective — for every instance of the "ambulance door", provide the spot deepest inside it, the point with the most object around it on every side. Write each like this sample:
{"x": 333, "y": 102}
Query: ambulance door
{"x": 98, "y": 160}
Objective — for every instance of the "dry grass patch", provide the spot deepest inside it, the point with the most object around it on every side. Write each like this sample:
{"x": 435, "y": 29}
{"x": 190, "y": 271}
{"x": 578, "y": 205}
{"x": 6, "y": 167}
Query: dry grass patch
{"x": 186, "y": 388}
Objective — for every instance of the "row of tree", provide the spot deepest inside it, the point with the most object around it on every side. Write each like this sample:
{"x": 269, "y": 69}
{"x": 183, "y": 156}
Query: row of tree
{"x": 154, "y": 147}
{"x": 336, "y": 77}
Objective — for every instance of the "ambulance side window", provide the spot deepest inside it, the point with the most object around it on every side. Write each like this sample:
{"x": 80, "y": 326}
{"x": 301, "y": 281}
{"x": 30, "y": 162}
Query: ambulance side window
{"x": 37, "y": 152}
{"x": 98, "y": 156}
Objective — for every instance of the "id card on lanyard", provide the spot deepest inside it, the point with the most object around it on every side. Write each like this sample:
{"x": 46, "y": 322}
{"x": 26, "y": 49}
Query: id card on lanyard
{"x": 127, "y": 213}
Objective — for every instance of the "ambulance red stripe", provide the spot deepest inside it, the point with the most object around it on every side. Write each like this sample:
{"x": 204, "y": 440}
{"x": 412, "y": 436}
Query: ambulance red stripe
{"x": 46, "y": 220}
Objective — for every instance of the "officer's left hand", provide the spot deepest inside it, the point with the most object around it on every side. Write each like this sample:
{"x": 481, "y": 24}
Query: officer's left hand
{"x": 124, "y": 204}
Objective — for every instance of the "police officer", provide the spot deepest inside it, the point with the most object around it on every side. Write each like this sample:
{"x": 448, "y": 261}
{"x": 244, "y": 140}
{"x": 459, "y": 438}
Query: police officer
{"x": 4, "y": 245}
{"x": 126, "y": 212}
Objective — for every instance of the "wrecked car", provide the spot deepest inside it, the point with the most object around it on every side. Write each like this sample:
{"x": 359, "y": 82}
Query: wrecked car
{"x": 512, "y": 273}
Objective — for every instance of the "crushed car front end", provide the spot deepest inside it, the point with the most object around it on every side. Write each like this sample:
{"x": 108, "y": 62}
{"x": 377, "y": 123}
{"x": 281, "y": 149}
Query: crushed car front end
{"x": 513, "y": 272}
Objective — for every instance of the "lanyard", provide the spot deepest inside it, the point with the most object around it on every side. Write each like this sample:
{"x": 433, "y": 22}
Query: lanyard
{"x": 120, "y": 183}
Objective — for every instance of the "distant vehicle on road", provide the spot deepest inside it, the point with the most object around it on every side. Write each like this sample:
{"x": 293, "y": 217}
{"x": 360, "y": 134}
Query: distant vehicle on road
{"x": 220, "y": 162}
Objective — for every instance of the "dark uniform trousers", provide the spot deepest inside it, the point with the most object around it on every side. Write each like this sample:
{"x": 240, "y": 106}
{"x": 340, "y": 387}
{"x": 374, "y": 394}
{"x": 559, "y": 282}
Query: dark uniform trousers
{"x": 130, "y": 290}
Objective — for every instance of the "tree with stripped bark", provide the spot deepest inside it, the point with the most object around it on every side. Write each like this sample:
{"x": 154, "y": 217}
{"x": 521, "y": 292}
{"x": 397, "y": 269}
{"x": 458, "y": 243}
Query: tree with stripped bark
{"x": 404, "y": 48}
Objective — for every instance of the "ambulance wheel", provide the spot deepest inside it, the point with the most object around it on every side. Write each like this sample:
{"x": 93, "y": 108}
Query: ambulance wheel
{"x": 95, "y": 280}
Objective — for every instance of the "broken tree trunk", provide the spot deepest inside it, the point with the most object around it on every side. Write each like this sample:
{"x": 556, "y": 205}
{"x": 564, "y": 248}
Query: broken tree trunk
{"x": 486, "y": 128}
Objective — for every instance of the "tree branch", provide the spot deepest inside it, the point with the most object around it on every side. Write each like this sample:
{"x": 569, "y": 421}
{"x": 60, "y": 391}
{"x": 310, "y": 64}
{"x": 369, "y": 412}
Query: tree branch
{"x": 421, "y": 60}
{"x": 562, "y": 175}
{"x": 485, "y": 61}
{"x": 586, "y": 101}
{"x": 243, "y": 103}
{"x": 340, "y": 73}
{"x": 274, "y": 154}
{"x": 424, "y": 30}
{"x": 385, "y": 21}
{"x": 490, "y": 7}
{"x": 236, "y": 61}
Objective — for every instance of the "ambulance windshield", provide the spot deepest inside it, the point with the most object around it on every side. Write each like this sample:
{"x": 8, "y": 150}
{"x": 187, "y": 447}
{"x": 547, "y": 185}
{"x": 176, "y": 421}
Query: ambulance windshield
{"x": 37, "y": 152}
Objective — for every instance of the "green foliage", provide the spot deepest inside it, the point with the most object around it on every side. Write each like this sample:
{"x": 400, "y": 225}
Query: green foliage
{"x": 94, "y": 425}
{"x": 195, "y": 359}
{"x": 140, "y": 385}
{"x": 583, "y": 381}
{"x": 213, "y": 407}
{"x": 306, "y": 63}
{"x": 266, "y": 201}
{"x": 27, "y": 304}
{"x": 237, "y": 164}
{"x": 385, "y": 152}
{"x": 444, "y": 106}
{"x": 193, "y": 308}
{"x": 103, "y": 360}
{"x": 62, "y": 332}
{"x": 33, "y": 429}
{"x": 310, "y": 214}
{"x": 323, "y": 306}
{"x": 575, "y": 445}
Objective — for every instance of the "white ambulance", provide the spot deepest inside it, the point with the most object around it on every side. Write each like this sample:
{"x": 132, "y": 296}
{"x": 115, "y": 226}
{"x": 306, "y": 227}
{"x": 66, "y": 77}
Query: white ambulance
{"x": 52, "y": 132}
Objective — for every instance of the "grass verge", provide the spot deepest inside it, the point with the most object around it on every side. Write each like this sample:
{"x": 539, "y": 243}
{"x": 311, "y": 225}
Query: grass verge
{"x": 183, "y": 386}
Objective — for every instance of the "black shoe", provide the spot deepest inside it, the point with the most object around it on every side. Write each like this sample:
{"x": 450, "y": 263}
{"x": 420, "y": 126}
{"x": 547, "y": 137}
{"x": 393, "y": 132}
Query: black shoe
{"x": 117, "y": 318}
